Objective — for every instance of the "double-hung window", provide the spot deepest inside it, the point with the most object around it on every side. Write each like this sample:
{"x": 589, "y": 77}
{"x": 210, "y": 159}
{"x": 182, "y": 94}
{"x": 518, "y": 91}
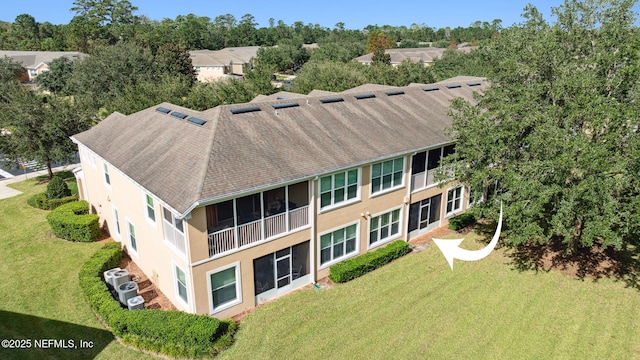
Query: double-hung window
{"x": 107, "y": 177}
{"x": 132, "y": 237}
{"x": 338, "y": 244}
{"x": 387, "y": 175}
{"x": 225, "y": 288}
{"x": 338, "y": 188}
{"x": 384, "y": 227}
{"x": 151, "y": 210}
{"x": 454, "y": 200}
{"x": 181, "y": 284}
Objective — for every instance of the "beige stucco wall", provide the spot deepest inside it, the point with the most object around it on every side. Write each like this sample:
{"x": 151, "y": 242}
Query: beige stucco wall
{"x": 245, "y": 259}
{"x": 154, "y": 256}
{"x": 210, "y": 73}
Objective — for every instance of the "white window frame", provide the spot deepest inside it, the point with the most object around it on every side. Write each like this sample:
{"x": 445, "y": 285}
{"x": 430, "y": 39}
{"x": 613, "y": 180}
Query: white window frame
{"x": 230, "y": 304}
{"x": 116, "y": 223}
{"x": 106, "y": 176}
{"x": 390, "y": 237}
{"x": 345, "y": 256}
{"x": 176, "y": 283}
{"x": 454, "y": 210}
{"x": 383, "y": 191}
{"x": 147, "y": 208}
{"x": 169, "y": 229}
{"x": 333, "y": 204}
{"x": 133, "y": 250}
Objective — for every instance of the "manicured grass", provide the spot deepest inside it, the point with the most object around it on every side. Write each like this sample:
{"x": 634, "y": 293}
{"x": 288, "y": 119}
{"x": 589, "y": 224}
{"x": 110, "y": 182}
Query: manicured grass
{"x": 39, "y": 290}
{"x": 418, "y": 308}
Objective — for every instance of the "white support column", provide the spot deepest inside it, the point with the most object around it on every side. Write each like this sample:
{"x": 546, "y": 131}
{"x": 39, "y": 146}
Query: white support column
{"x": 312, "y": 221}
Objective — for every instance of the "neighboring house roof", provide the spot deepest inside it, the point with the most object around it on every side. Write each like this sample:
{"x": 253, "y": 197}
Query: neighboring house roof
{"x": 426, "y": 55}
{"x": 33, "y": 59}
{"x": 247, "y": 147}
{"x": 226, "y": 56}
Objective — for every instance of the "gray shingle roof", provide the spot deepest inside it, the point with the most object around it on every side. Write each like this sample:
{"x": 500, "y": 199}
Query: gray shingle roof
{"x": 226, "y": 56}
{"x": 184, "y": 164}
{"x": 31, "y": 59}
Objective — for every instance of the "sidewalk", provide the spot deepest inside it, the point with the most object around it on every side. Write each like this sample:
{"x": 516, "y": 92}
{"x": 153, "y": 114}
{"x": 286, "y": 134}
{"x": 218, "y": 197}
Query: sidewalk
{"x": 7, "y": 192}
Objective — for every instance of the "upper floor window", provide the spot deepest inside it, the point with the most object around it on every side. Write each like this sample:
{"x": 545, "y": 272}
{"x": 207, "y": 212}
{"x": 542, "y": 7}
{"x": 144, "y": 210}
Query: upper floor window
{"x": 454, "y": 200}
{"x": 107, "y": 177}
{"x": 338, "y": 188}
{"x": 174, "y": 230}
{"x": 151, "y": 210}
{"x": 387, "y": 175}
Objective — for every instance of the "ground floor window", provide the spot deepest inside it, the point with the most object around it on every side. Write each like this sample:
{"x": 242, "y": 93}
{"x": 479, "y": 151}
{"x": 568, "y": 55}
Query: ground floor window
{"x": 454, "y": 200}
{"x": 338, "y": 243}
{"x": 132, "y": 237}
{"x": 279, "y": 269}
{"x": 225, "y": 287}
{"x": 424, "y": 213}
{"x": 384, "y": 227}
{"x": 181, "y": 284}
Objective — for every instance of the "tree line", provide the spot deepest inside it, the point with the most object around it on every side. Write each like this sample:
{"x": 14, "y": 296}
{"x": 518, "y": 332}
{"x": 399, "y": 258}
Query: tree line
{"x": 105, "y": 22}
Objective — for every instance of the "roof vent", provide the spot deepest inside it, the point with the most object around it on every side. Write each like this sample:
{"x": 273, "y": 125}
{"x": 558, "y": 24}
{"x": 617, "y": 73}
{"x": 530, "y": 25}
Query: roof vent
{"x": 433, "y": 88}
{"x": 282, "y": 97}
{"x": 476, "y": 83}
{"x": 196, "y": 121}
{"x": 285, "y": 105}
{"x": 163, "y": 110}
{"x": 453, "y": 86}
{"x": 331, "y": 100}
{"x": 365, "y": 96}
{"x": 244, "y": 110}
{"x": 393, "y": 93}
{"x": 179, "y": 115}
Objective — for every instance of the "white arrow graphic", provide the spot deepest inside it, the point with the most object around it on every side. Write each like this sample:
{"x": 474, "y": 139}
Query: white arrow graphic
{"x": 451, "y": 250}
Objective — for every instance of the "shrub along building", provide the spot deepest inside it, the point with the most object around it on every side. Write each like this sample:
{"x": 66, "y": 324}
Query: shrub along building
{"x": 227, "y": 208}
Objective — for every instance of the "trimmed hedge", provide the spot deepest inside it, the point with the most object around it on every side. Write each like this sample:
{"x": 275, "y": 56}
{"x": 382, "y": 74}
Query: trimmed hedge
{"x": 57, "y": 188}
{"x": 360, "y": 265}
{"x": 461, "y": 221}
{"x": 73, "y": 222}
{"x": 40, "y": 201}
{"x": 173, "y": 333}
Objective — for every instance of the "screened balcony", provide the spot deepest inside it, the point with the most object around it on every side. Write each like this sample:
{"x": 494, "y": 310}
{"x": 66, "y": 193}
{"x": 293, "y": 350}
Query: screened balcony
{"x": 241, "y": 222}
{"x": 425, "y": 164}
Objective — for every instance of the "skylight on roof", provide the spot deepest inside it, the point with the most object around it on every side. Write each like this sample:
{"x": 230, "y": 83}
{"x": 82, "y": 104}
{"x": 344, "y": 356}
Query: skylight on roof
{"x": 365, "y": 96}
{"x": 285, "y": 105}
{"x": 163, "y": 110}
{"x": 331, "y": 100}
{"x": 476, "y": 83}
{"x": 196, "y": 121}
{"x": 179, "y": 115}
{"x": 433, "y": 88}
{"x": 393, "y": 93}
{"x": 453, "y": 86}
{"x": 244, "y": 110}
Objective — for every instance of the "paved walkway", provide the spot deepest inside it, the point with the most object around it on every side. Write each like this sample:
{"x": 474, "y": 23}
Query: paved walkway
{"x": 7, "y": 192}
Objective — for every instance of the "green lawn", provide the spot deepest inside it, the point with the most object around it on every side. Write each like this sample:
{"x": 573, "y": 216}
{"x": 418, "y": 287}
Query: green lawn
{"x": 40, "y": 297}
{"x": 417, "y": 308}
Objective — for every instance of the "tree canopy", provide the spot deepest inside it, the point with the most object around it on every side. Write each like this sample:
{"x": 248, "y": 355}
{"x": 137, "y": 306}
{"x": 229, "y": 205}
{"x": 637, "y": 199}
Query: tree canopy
{"x": 556, "y": 136}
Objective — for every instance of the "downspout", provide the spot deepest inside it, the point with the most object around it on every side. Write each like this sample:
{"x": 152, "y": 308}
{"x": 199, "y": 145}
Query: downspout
{"x": 312, "y": 219}
{"x": 407, "y": 199}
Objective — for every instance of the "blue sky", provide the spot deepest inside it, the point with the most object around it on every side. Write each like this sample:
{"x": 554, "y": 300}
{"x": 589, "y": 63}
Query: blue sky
{"x": 356, "y": 14}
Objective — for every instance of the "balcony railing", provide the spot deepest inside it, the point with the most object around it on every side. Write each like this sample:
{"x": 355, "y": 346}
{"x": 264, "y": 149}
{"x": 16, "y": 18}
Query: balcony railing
{"x": 427, "y": 178}
{"x": 246, "y": 234}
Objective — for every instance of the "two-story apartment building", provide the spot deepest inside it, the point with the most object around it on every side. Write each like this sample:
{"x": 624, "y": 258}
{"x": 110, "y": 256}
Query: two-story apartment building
{"x": 228, "y": 208}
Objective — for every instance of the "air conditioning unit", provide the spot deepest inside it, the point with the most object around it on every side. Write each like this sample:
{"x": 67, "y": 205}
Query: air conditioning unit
{"x": 136, "y": 303}
{"x": 126, "y": 291}
{"x": 108, "y": 274}
{"x": 119, "y": 277}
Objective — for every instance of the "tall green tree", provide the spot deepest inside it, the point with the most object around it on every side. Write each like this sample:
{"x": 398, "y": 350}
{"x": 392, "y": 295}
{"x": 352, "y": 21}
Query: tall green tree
{"x": 38, "y": 127}
{"x": 558, "y": 129}
{"x": 57, "y": 78}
